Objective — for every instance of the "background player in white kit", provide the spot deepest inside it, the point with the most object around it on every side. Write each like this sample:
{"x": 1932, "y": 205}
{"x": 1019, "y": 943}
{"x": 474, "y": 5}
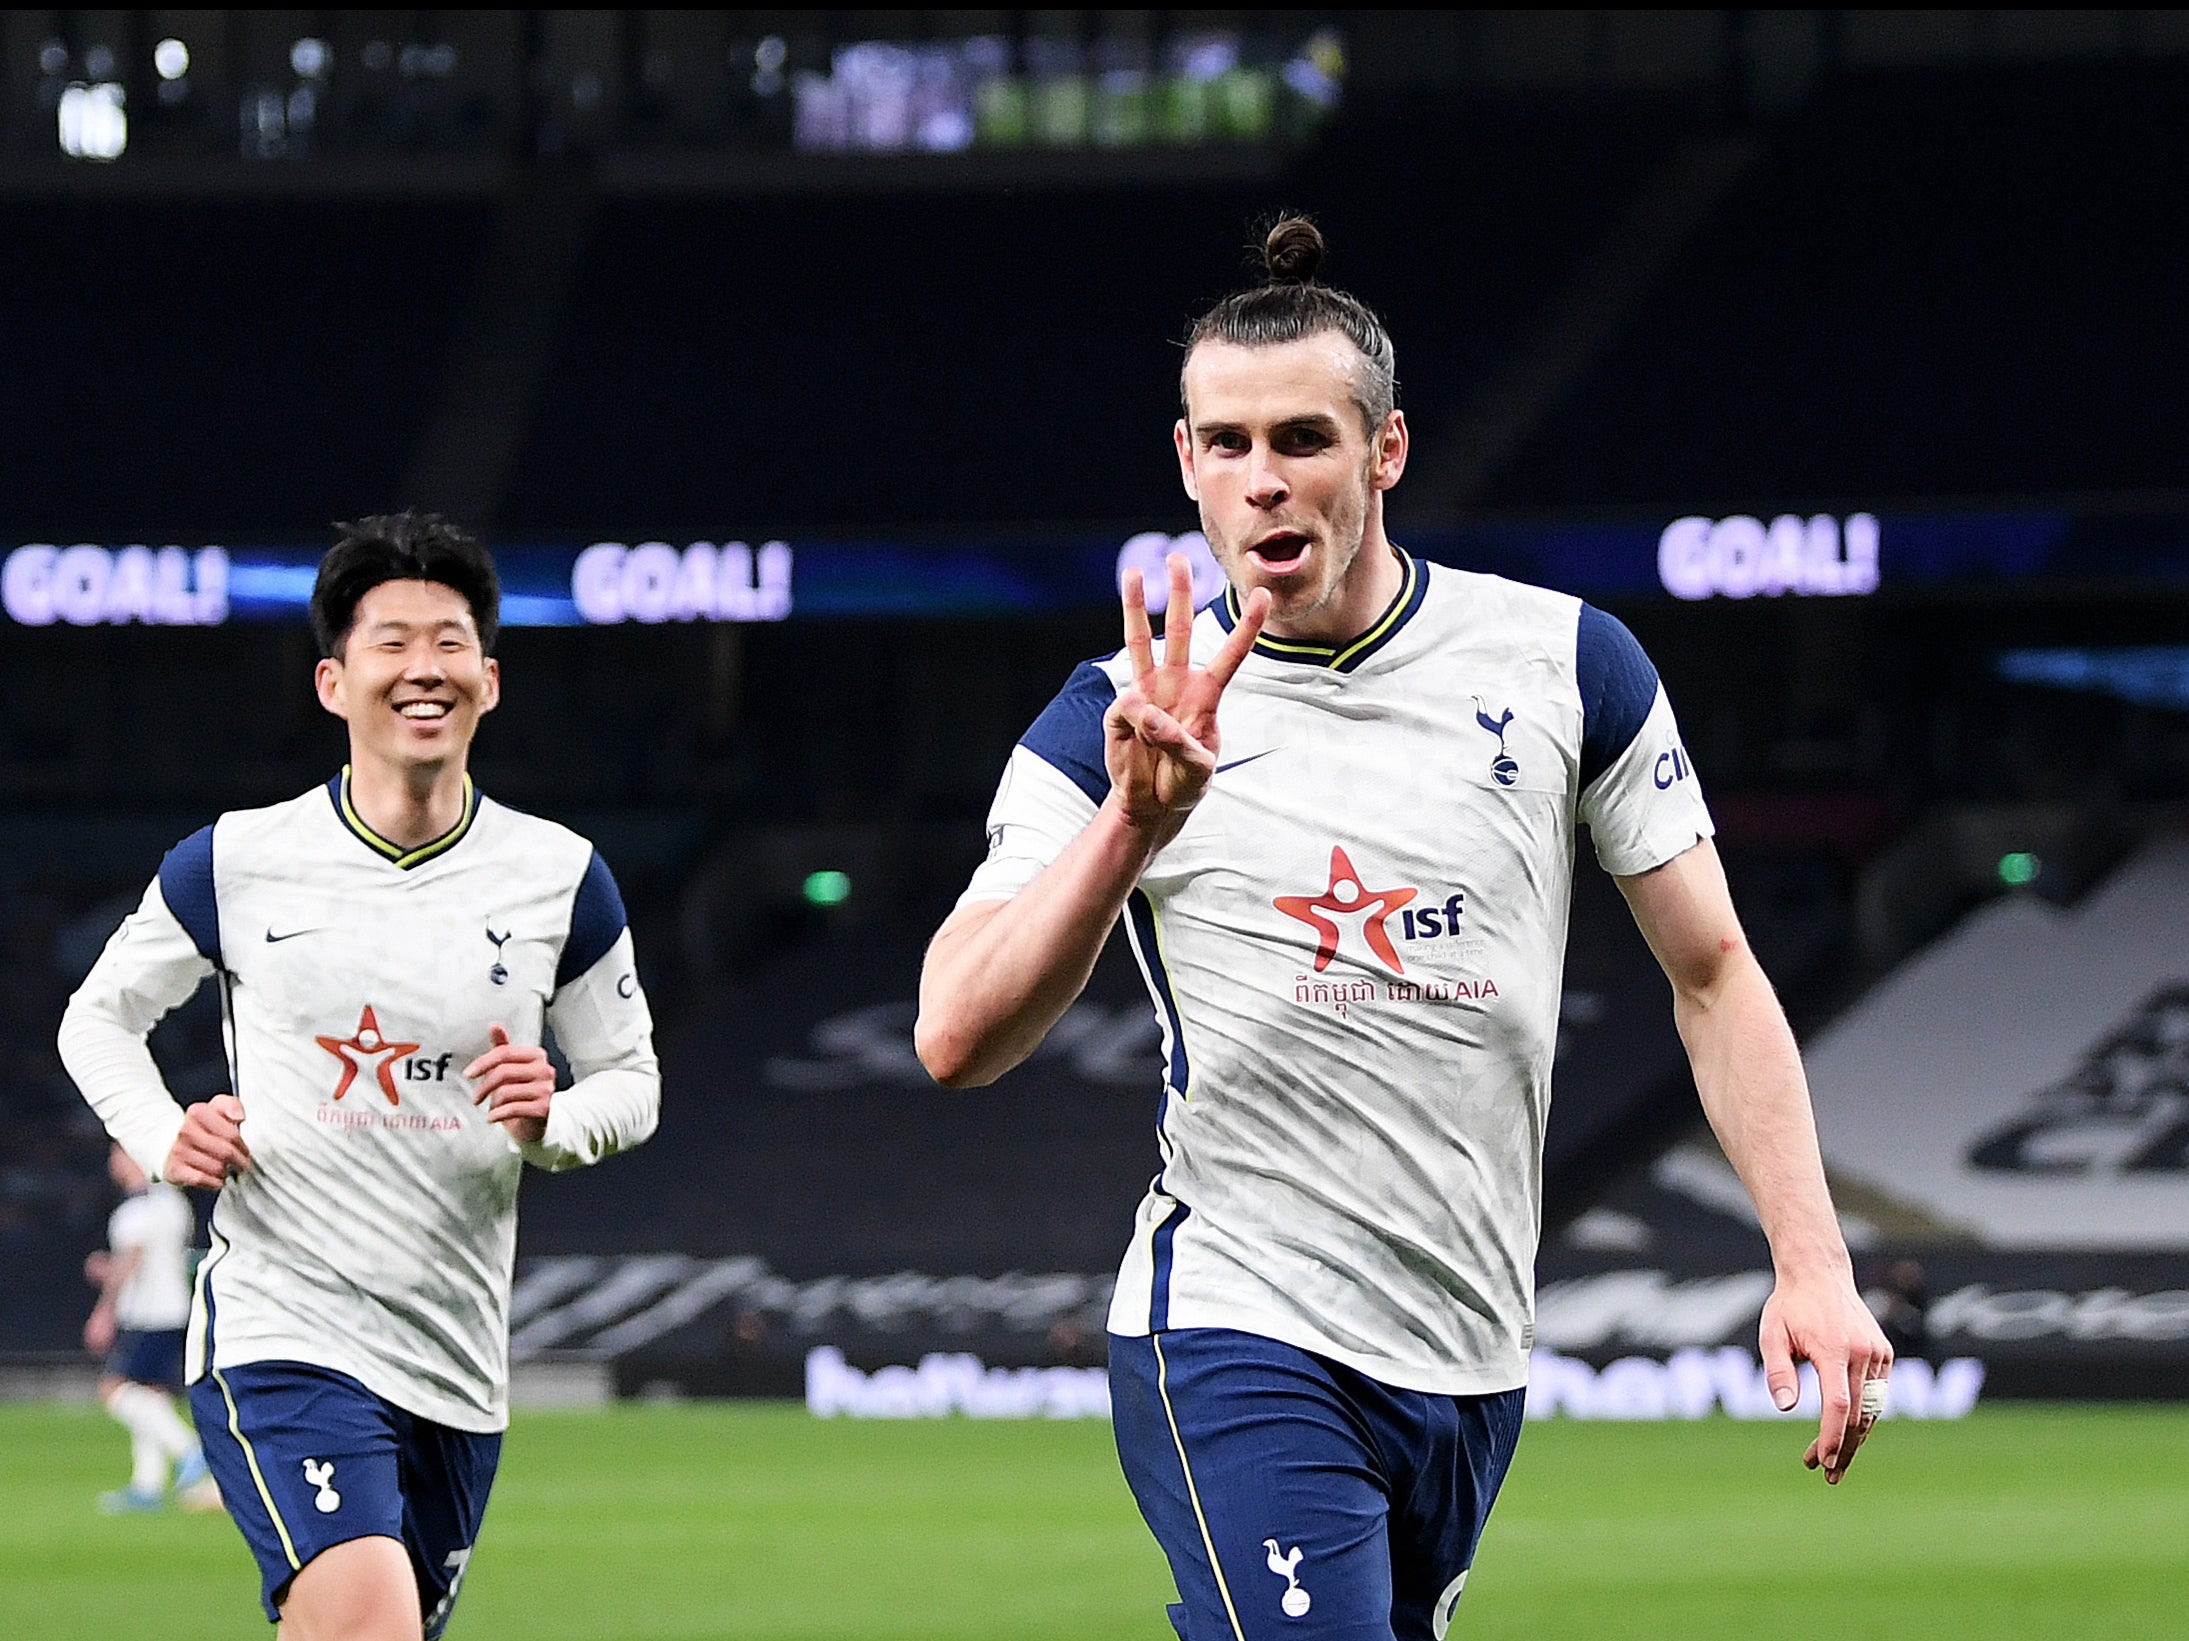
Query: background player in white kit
{"x": 143, "y": 1277}
{"x": 1351, "y": 912}
{"x": 389, "y": 950}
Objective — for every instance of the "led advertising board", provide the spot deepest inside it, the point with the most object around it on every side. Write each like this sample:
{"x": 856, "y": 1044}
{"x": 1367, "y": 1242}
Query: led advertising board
{"x": 1697, "y": 558}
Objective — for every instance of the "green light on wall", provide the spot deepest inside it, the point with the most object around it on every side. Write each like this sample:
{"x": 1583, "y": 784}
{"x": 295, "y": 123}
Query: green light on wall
{"x": 2018, "y": 869}
{"x": 834, "y": 888}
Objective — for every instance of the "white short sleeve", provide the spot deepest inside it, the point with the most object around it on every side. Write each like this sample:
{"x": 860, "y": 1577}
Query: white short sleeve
{"x": 1647, "y": 807}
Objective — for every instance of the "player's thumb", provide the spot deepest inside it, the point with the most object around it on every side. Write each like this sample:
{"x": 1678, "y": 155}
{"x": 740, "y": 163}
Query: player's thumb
{"x": 1778, "y": 1369}
{"x": 228, "y": 1106}
{"x": 498, "y": 1035}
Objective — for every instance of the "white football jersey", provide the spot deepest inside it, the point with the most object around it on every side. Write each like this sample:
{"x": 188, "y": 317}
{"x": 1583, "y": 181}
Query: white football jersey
{"x": 375, "y": 1229}
{"x": 1355, "y": 949}
{"x": 155, "y": 1224}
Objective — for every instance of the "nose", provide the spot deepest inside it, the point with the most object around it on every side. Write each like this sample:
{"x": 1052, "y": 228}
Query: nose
{"x": 422, "y": 665}
{"x": 1266, "y": 487}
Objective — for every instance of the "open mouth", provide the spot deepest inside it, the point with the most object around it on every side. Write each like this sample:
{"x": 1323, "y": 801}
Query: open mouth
{"x": 424, "y": 711}
{"x": 1279, "y": 552}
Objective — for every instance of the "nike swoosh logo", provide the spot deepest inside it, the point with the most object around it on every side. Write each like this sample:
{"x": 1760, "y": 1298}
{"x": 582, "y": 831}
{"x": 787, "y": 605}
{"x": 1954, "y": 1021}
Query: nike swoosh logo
{"x": 273, "y": 939}
{"x": 1238, "y": 763}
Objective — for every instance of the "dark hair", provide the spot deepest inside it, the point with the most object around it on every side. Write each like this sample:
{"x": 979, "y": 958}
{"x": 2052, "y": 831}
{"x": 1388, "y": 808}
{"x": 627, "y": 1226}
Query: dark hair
{"x": 1293, "y": 304}
{"x": 407, "y": 546}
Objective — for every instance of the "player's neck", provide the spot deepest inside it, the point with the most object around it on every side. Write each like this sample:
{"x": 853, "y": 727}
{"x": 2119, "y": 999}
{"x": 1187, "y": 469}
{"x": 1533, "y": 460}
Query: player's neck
{"x": 1371, "y": 582}
{"x": 407, "y": 804}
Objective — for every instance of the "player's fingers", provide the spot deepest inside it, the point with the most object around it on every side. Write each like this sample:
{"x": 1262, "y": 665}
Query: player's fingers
{"x": 1778, "y": 1367}
{"x": 1837, "y": 1416}
{"x": 1139, "y": 641}
{"x": 1159, "y": 729}
{"x": 1178, "y": 615}
{"x": 1240, "y": 640}
{"x": 529, "y": 1110}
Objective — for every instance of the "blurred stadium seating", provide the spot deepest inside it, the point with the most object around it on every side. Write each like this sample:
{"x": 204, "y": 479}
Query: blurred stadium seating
{"x": 1639, "y": 265}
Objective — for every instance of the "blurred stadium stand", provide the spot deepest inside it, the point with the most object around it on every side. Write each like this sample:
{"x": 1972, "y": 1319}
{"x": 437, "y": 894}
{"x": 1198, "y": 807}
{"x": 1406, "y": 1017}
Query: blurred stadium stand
{"x": 580, "y": 275}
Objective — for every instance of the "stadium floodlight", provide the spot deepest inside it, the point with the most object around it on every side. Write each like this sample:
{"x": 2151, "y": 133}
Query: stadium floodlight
{"x": 171, "y": 59}
{"x": 92, "y": 123}
{"x": 827, "y": 888}
{"x": 2018, "y": 869}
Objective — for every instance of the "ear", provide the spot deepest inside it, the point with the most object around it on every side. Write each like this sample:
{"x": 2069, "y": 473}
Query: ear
{"x": 327, "y": 682}
{"x": 1389, "y": 462}
{"x": 493, "y": 696}
{"x": 1182, "y": 437}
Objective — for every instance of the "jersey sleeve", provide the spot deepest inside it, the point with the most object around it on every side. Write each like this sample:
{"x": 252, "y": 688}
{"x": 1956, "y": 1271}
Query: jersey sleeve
{"x": 160, "y": 955}
{"x": 1639, "y": 795}
{"x": 601, "y": 1021}
{"x": 1051, "y": 787}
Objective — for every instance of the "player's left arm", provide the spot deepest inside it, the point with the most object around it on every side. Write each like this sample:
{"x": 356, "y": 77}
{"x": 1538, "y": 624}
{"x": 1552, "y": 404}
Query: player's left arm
{"x": 599, "y": 1016}
{"x": 113, "y": 1273}
{"x": 1749, "y": 1074}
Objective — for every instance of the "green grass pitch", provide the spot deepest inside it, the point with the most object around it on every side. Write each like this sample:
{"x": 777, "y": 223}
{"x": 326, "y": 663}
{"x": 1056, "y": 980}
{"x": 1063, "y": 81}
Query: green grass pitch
{"x": 664, "y": 1523}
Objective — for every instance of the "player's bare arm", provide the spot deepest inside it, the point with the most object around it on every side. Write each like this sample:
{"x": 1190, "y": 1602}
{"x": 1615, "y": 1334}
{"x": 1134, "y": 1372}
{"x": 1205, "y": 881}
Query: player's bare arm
{"x": 999, "y": 974}
{"x": 112, "y": 1273}
{"x": 1749, "y": 1074}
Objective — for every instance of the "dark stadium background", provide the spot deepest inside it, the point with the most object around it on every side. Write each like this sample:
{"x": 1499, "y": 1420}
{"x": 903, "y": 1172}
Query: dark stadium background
{"x": 654, "y": 276}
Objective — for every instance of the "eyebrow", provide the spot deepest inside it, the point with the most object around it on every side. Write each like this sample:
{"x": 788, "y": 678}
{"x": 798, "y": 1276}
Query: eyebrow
{"x": 389, "y": 624}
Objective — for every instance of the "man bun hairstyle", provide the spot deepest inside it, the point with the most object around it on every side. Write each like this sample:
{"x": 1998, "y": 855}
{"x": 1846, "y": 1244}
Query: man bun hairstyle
{"x": 407, "y": 546}
{"x": 1293, "y": 304}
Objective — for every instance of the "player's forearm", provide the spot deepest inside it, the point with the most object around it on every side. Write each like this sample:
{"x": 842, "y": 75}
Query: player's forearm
{"x": 119, "y": 1270}
{"x": 115, "y": 1071}
{"x": 1748, "y": 1072}
{"x": 991, "y": 989}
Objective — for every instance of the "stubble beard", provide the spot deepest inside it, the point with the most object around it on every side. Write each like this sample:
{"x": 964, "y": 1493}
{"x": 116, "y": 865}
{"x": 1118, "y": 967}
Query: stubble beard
{"x": 1344, "y": 532}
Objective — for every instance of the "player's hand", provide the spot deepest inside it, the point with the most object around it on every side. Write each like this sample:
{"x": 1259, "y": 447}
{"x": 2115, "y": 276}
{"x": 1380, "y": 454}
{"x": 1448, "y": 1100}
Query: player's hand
{"x": 210, "y": 1150}
{"x": 99, "y": 1331}
{"x": 516, "y": 1085}
{"x": 96, "y": 1264}
{"x": 1159, "y": 735}
{"x": 1822, "y": 1321}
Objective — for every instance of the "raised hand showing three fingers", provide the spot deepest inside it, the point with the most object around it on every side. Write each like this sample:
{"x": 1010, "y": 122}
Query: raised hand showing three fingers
{"x": 1159, "y": 735}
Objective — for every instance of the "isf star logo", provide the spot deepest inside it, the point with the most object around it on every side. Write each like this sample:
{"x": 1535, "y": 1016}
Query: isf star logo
{"x": 1344, "y": 897}
{"x": 367, "y": 1047}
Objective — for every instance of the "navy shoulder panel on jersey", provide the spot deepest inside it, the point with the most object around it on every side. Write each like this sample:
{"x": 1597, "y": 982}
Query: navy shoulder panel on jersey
{"x": 1618, "y": 687}
{"x": 186, "y": 884}
{"x": 596, "y": 919}
{"x": 1068, "y": 734}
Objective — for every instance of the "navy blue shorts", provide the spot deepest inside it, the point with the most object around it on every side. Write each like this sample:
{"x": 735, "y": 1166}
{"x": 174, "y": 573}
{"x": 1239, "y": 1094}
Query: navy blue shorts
{"x": 1297, "y": 1498}
{"x": 148, "y": 1356}
{"x": 308, "y": 1458}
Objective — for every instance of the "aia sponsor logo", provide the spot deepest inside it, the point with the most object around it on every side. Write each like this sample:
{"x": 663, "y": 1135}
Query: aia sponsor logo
{"x": 369, "y": 1049}
{"x": 1347, "y": 896}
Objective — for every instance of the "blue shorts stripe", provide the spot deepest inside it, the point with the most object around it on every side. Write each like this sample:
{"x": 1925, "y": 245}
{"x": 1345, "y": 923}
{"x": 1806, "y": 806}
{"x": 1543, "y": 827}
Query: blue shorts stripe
{"x": 1193, "y": 1490}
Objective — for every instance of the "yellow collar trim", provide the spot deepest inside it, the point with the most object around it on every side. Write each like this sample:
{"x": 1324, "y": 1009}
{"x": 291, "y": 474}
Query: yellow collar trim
{"x": 395, "y": 852}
